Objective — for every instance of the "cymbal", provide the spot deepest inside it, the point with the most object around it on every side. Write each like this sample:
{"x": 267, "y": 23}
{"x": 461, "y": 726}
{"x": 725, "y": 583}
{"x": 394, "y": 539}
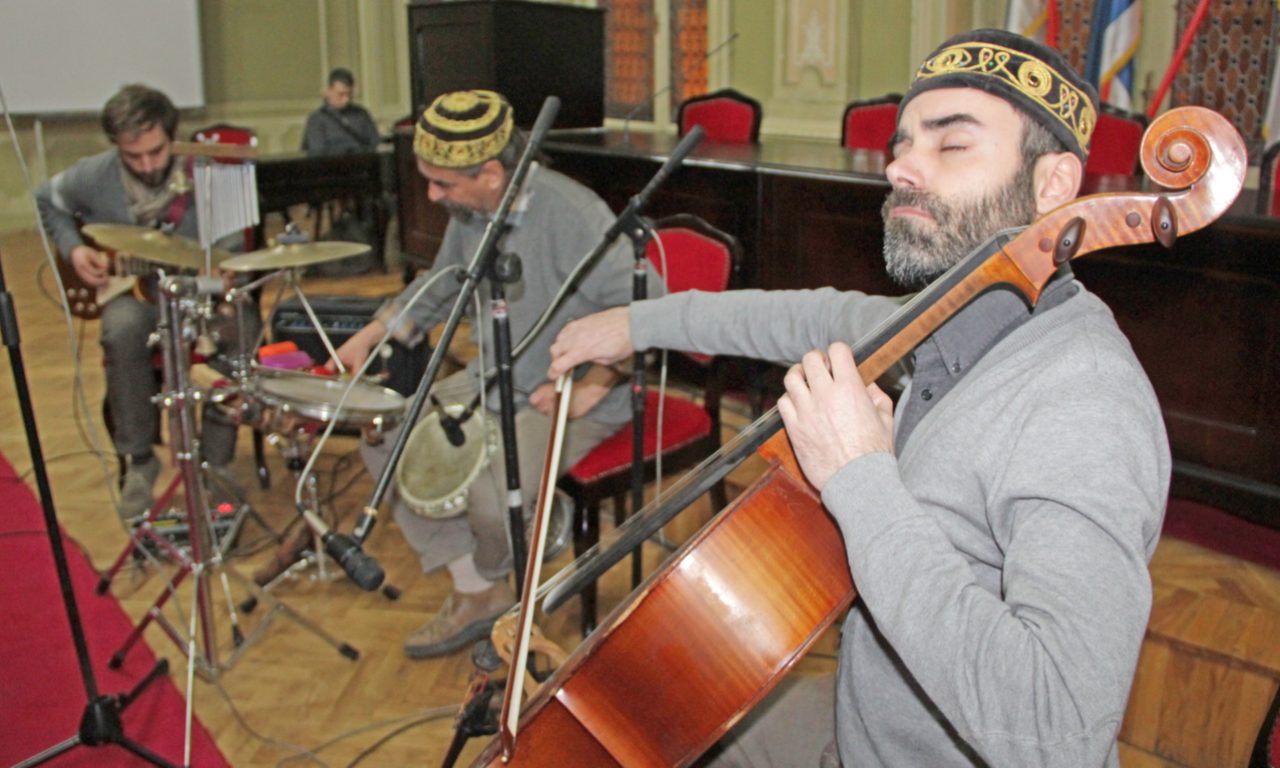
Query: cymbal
{"x": 293, "y": 255}
{"x": 152, "y": 245}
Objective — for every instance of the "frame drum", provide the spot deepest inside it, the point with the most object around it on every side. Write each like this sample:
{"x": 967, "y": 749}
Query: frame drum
{"x": 433, "y": 475}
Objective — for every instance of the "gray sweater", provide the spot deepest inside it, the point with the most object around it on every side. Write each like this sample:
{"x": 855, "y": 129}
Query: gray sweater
{"x": 91, "y": 188}
{"x": 1001, "y": 556}
{"x": 559, "y": 222}
{"x": 346, "y": 131}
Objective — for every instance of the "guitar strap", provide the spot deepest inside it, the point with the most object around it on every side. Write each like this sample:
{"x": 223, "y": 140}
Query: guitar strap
{"x": 178, "y": 206}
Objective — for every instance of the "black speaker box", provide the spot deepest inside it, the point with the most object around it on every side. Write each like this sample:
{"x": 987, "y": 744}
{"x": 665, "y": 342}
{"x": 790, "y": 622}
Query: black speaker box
{"x": 341, "y": 317}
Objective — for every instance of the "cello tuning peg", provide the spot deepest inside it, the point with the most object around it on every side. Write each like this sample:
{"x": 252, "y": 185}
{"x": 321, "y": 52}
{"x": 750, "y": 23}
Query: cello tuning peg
{"x": 1164, "y": 222}
{"x": 1069, "y": 239}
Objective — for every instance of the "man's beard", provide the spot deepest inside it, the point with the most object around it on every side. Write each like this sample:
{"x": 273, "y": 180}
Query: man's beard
{"x": 155, "y": 178}
{"x": 458, "y": 212}
{"x": 916, "y": 254}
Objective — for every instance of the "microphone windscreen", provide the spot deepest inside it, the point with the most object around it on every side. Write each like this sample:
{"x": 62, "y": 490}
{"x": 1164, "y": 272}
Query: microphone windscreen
{"x": 361, "y": 568}
{"x": 453, "y": 431}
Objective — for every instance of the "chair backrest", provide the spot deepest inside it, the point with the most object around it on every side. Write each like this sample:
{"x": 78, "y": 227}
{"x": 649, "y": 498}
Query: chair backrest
{"x": 694, "y": 255}
{"x": 870, "y": 123}
{"x": 1117, "y": 140}
{"x": 225, "y": 133}
{"x": 725, "y": 115}
{"x": 1269, "y": 182}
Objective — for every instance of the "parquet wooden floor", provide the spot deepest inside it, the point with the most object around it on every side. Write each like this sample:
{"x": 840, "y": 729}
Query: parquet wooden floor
{"x": 1209, "y": 667}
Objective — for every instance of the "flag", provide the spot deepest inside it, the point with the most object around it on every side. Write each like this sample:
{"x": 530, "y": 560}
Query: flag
{"x": 1113, "y": 41}
{"x": 1027, "y": 18}
{"x": 1271, "y": 120}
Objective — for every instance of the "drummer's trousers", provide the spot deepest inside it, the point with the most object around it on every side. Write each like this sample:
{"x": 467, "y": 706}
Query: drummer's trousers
{"x": 482, "y": 529}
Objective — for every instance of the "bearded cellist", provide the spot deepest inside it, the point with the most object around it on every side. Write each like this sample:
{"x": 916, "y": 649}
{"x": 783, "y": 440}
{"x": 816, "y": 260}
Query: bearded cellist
{"x": 999, "y": 521}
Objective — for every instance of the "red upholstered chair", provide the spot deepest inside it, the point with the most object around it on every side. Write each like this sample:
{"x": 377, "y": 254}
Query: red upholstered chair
{"x": 1117, "y": 140}
{"x": 225, "y": 133}
{"x": 700, "y": 257}
{"x": 870, "y": 123}
{"x": 725, "y": 115}
{"x": 1269, "y": 182}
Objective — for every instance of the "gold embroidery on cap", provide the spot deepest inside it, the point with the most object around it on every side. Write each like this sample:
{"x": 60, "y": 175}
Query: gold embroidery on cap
{"x": 462, "y": 153}
{"x": 1028, "y": 75}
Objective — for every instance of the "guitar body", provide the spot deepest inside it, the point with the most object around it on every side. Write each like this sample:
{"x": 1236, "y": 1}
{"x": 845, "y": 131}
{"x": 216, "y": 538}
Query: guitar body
{"x": 127, "y": 275}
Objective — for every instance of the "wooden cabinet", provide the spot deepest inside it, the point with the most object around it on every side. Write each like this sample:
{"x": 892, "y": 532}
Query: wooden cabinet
{"x": 524, "y": 50}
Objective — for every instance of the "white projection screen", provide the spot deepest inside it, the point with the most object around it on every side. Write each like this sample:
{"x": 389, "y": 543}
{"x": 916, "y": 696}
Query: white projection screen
{"x": 69, "y": 56}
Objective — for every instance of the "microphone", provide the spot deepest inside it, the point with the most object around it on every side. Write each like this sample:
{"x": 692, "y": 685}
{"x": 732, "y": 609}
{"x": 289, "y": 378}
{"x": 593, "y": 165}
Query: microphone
{"x": 359, "y": 566}
{"x": 626, "y": 121}
{"x": 452, "y": 427}
{"x": 638, "y": 201}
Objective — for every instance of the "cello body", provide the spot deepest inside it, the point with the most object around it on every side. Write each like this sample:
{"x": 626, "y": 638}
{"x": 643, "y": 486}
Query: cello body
{"x": 726, "y": 617}
{"x": 712, "y": 631}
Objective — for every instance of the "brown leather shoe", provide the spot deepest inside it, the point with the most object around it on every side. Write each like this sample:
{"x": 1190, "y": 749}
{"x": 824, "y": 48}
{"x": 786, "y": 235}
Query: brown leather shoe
{"x": 289, "y": 552}
{"x": 463, "y": 619}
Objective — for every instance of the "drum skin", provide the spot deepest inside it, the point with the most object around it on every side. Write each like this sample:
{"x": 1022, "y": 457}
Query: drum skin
{"x": 316, "y": 398}
{"x": 433, "y": 474}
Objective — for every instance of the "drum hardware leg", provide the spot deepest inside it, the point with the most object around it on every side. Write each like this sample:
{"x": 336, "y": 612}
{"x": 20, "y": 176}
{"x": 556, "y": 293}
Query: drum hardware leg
{"x": 145, "y": 536}
{"x": 231, "y": 514}
{"x": 205, "y": 561}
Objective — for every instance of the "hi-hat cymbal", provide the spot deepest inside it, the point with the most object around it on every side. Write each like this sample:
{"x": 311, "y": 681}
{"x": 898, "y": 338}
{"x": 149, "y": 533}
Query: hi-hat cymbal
{"x": 152, "y": 245}
{"x": 293, "y": 255}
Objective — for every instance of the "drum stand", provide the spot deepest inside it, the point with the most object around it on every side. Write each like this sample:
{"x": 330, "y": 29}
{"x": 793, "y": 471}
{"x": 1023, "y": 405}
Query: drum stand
{"x": 204, "y": 562}
{"x": 291, "y": 441}
{"x": 293, "y": 447}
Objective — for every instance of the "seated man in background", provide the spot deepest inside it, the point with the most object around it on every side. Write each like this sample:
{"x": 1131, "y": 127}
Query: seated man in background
{"x": 340, "y": 126}
{"x": 138, "y": 182}
{"x": 467, "y": 149}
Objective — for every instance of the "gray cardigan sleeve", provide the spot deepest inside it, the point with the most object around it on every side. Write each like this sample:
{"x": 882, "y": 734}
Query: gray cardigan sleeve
{"x": 54, "y": 199}
{"x": 780, "y": 326}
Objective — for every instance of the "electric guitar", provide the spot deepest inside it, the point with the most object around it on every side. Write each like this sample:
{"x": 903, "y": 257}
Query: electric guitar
{"x": 86, "y": 301}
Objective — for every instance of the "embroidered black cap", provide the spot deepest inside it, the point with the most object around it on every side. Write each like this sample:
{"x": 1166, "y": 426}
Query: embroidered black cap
{"x": 1028, "y": 74}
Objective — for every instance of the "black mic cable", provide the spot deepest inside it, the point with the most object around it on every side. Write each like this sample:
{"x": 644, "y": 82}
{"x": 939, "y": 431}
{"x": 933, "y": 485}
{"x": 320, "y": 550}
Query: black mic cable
{"x": 626, "y": 120}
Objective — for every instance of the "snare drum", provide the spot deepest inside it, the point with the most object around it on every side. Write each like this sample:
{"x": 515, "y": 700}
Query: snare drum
{"x": 315, "y": 398}
{"x": 433, "y": 474}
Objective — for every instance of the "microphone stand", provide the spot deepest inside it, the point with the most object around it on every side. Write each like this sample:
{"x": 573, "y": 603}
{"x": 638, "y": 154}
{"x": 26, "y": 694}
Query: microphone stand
{"x": 506, "y": 268}
{"x": 101, "y": 724}
{"x": 640, "y": 231}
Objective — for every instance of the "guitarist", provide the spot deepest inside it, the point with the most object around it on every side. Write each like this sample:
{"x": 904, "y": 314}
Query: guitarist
{"x": 137, "y": 182}
{"x": 999, "y": 522}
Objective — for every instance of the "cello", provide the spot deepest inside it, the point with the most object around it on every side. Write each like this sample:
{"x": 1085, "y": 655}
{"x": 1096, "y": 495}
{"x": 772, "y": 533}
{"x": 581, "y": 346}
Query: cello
{"x": 709, "y": 634}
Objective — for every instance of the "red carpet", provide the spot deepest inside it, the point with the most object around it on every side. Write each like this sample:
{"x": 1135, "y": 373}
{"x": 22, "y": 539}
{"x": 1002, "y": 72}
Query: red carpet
{"x": 1222, "y": 532}
{"x": 41, "y": 692}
